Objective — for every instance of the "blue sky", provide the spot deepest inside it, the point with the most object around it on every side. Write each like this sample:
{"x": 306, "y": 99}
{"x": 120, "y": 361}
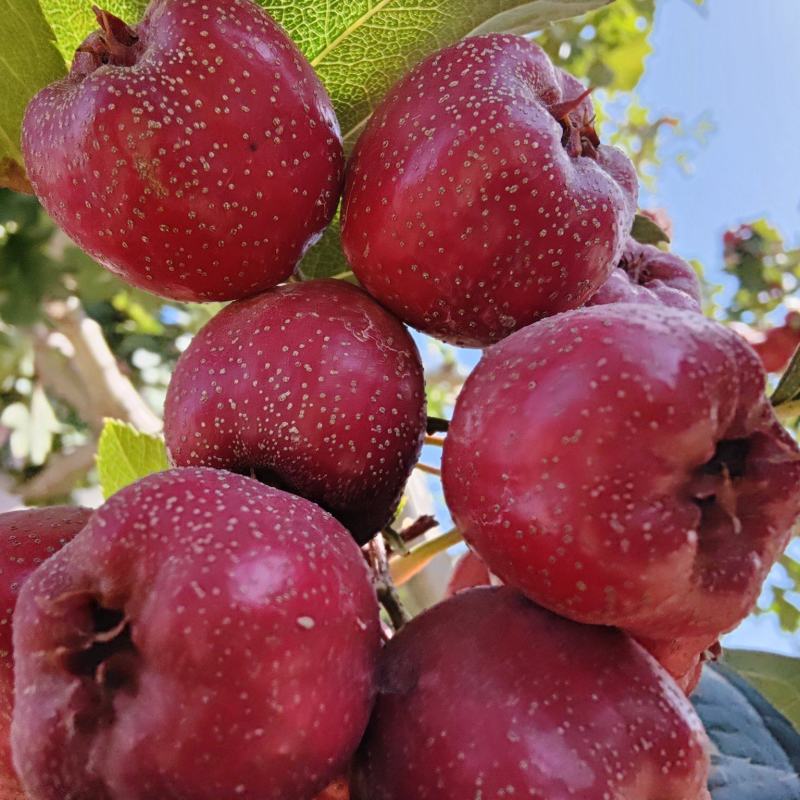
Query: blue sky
{"x": 735, "y": 63}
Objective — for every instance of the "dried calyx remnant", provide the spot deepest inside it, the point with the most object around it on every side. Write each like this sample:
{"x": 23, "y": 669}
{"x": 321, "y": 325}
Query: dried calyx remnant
{"x": 116, "y": 43}
{"x": 580, "y": 138}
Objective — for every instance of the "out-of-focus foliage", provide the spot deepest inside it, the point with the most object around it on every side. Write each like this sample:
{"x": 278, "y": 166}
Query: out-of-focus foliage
{"x": 766, "y": 271}
{"x": 40, "y": 266}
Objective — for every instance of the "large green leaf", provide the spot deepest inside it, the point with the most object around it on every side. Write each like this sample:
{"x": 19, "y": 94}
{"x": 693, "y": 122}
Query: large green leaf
{"x": 358, "y": 47}
{"x": 29, "y": 60}
{"x": 776, "y": 677}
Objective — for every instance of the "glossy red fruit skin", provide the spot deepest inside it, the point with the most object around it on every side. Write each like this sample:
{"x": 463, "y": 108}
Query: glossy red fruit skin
{"x": 622, "y": 466}
{"x": 648, "y": 275}
{"x": 780, "y": 344}
{"x": 487, "y": 695}
{"x": 468, "y": 572}
{"x": 246, "y": 667}
{"x": 313, "y": 387}
{"x": 463, "y": 212}
{"x": 684, "y": 658}
{"x": 27, "y": 538}
{"x": 204, "y": 171}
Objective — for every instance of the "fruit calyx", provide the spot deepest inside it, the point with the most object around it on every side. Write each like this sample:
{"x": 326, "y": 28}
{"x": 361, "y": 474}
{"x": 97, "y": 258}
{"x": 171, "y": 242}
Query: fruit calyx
{"x": 104, "y": 659}
{"x": 579, "y": 139}
{"x": 713, "y": 491}
{"x": 116, "y": 43}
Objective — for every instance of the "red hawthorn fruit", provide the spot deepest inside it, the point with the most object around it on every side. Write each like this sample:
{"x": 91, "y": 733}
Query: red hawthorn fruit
{"x": 780, "y": 344}
{"x": 196, "y": 154}
{"x": 469, "y": 572}
{"x": 684, "y": 658}
{"x": 27, "y": 538}
{"x": 479, "y": 198}
{"x": 487, "y": 695}
{"x": 622, "y": 466}
{"x": 648, "y": 275}
{"x": 203, "y": 637}
{"x": 311, "y": 387}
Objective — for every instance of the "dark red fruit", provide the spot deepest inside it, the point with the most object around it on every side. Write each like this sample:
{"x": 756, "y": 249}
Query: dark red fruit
{"x": 203, "y": 637}
{"x": 27, "y": 538}
{"x": 684, "y": 658}
{"x": 622, "y": 466}
{"x": 648, "y": 275}
{"x": 195, "y": 154}
{"x": 489, "y": 696}
{"x": 780, "y": 344}
{"x": 469, "y": 572}
{"x": 479, "y": 198}
{"x": 311, "y": 387}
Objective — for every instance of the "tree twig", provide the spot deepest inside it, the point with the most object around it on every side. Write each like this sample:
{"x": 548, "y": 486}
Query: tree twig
{"x": 384, "y": 586}
{"x": 403, "y": 568}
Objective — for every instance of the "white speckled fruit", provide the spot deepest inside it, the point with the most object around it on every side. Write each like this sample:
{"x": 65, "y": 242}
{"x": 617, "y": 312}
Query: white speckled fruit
{"x": 479, "y": 198}
{"x": 196, "y": 154}
{"x": 489, "y": 697}
{"x": 311, "y": 387}
{"x": 27, "y": 538}
{"x": 204, "y": 637}
{"x": 621, "y": 465}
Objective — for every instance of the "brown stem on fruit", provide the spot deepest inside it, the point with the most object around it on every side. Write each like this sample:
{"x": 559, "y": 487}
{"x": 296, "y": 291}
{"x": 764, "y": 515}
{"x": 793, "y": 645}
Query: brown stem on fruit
{"x": 437, "y": 425}
{"x": 384, "y": 585}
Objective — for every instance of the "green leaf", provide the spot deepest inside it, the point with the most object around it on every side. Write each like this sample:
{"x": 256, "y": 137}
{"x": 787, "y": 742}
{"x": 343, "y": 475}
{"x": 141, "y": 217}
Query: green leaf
{"x": 361, "y": 47}
{"x": 29, "y": 62}
{"x": 326, "y": 259}
{"x": 776, "y": 677}
{"x": 645, "y": 231}
{"x": 125, "y": 455}
{"x": 788, "y": 390}
{"x": 358, "y": 47}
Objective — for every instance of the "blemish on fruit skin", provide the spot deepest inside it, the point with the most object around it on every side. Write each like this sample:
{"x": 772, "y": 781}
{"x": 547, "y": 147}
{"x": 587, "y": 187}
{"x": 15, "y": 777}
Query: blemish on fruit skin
{"x": 324, "y": 393}
{"x": 464, "y": 214}
{"x": 577, "y": 710}
{"x": 129, "y": 163}
{"x": 626, "y": 529}
{"x": 207, "y": 660}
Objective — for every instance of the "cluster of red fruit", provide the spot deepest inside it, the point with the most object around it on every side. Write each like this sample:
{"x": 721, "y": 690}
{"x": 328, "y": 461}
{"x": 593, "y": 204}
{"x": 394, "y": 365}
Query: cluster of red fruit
{"x": 208, "y": 635}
